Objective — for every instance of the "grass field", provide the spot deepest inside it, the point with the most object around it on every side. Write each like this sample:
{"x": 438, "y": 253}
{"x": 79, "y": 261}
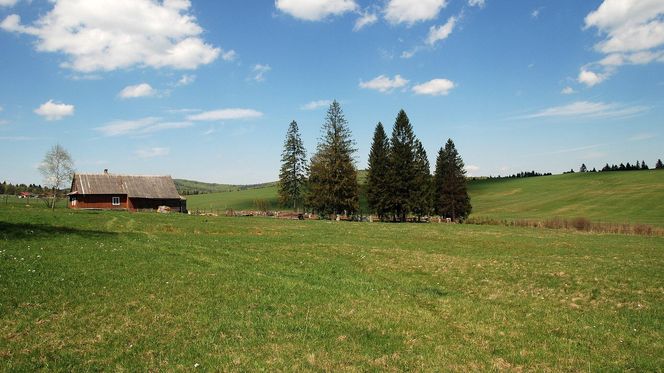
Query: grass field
{"x": 140, "y": 291}
{"x": 613, "y": 197}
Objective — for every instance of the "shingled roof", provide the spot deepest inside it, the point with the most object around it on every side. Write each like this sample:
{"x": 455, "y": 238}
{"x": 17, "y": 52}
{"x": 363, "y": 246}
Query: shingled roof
{"x": 154, "y": 187}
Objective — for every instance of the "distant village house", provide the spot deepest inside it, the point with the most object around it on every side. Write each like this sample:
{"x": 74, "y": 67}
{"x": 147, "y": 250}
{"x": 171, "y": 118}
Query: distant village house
{"x": 124, "y": 192}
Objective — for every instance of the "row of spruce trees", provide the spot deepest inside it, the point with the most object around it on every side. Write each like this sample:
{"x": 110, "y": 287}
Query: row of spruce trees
{"x": 399, "y": 182}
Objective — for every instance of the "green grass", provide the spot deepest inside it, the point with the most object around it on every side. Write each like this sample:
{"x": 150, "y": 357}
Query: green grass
{"x": 237, "y": 200}
{"x": 612, "y": 197}
{"x": 83, "y": 290}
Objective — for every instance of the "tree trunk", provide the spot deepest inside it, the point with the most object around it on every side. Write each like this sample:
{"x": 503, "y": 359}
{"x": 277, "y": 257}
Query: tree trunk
{"x": 53, "y": 204}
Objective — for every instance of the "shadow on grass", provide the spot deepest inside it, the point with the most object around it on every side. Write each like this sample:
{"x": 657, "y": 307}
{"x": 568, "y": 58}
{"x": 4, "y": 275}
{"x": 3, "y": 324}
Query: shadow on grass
{"x": 9, "y": 231}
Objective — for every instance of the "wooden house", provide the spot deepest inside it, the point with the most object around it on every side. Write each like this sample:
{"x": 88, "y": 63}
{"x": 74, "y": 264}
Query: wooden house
{"x": 124, "y": 192}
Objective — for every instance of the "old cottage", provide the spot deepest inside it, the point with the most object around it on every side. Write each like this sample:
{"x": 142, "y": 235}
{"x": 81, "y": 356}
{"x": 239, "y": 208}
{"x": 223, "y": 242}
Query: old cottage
{"x": 124, "y": 192}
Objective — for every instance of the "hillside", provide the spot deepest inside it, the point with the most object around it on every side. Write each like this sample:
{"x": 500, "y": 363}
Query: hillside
{"x": 188, "y": 187}
{"x": 615, "y": 197}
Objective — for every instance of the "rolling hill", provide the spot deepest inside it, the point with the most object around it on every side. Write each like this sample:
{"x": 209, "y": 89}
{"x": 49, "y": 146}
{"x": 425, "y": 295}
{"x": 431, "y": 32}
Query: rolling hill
{"x": 615, "y": 197}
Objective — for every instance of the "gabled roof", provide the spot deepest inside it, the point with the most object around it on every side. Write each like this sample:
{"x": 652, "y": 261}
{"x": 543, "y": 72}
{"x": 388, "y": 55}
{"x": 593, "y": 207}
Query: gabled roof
{"x": 155, "y": 187}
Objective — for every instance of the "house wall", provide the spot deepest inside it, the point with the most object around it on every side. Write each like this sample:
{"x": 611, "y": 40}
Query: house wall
{"x": 98, "y": 201}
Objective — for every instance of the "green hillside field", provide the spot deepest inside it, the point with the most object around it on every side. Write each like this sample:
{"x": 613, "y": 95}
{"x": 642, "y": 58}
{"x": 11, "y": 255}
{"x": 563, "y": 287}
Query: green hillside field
{"x": 612, "y": 197}
{"x": 122, "y": 291}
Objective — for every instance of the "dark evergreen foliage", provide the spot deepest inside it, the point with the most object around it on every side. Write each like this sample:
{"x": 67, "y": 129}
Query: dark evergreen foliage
{"x": 450, "y": 192}
{"x": 583, "y": 168}
{"x": 402, "y": 167}
{"x": 378, "y": 176}
{"x": 292, "y": 176}
{"x": 659, "y": 165}
{"x": 422, "y": 193}
{"x": 332, "y": 183}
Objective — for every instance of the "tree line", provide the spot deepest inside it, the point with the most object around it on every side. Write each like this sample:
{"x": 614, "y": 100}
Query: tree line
{"x": 399, "y": 181}
{"x": 12, "y": 189}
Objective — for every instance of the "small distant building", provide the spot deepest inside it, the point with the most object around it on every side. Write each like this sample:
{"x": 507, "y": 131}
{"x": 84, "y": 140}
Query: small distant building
{"x": 124, "y": 192}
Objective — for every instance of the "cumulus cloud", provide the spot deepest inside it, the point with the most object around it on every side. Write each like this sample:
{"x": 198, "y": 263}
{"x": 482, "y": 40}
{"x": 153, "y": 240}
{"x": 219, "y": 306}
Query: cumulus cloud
{"x": 435, "y": 87}
{"x": 225, "y": 114}
{"x": 105, "y": 35}
{"x": 152, "y": 152}
{"x": 591, "y": 78}
{"x": 384, "y": 83}
{"x": 54, "y": 111}
{"x": 138, "y": 90}
{"x": 315, "y": 10}
{"x": 259, "y": 72}
{"x": 587, "y": 110}
{"x": 367, "y": 18}
{"x": 438, "y": 33}
{"x": 568, "y": 90}
{"x": 632, "y": 33}
{"x": 139, "y": 126}
{"x": 8, "y": 2}
{"x": 412, "y": 11}
{"x": 315, "y": 105}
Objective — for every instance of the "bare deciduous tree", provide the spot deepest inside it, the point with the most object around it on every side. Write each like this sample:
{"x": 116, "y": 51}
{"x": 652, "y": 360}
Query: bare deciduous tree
{"x": 57, "y": 169}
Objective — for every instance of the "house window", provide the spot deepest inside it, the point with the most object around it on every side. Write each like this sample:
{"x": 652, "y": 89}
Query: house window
{"x": 116, "y": 201}
{"x": 73, "y": 201}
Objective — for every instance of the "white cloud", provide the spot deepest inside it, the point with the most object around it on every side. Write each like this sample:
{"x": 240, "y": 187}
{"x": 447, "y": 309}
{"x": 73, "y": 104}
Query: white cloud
{"x": 225, "y": 114}
{"x": 3, "y": 122}
{"x": 568, "y": 91}
{"x": 152, "y": 152}
{"x": 439, "y": 33}
{"x": 632, "y": 31}
{"x": 102, "y": 35}
{"x": 315, "y": 105}
{"x": 367, "y": 19}
{"x": 591, "y": 78}
{"x": 315, "y": 10}
{"x": 587, "y": 110}
{"x": 186, "y": 80}
{"x": 8, "y": 2}
{"x": 259, "y": 72}
{"x": 413, "y": 11}
{"x": 138, "y": 90}
{"x": 139, "y": 126}
{"x": 478, "y": 3}
{"x": 384, "y": 83}
{"x": 54, "y": 111}
{"x": 231, "y": 55}
{"x": 435, "y": 87}
{"x": 1, "y": 108}
{"x": 472, "y": 169}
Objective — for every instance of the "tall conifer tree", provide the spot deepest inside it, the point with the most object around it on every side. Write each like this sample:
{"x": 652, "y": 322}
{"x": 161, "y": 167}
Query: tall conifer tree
{"x": 659, "y": 165}
{"x": 422, "y": 195}
{"x": 451, "y": 195}
{"x": 292, "y": 176}
{"x": 402, "y": 167}
{"x": 378, "y": 183}
{"x": 333, "y": 177}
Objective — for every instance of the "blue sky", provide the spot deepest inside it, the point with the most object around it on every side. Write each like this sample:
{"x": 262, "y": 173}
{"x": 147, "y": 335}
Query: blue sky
{"x": 205, "y": 90}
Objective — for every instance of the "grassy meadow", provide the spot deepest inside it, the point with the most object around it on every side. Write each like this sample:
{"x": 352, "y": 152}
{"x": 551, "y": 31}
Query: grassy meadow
{"x": 607, "y": 197}
{"x": 84, "y": 290}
